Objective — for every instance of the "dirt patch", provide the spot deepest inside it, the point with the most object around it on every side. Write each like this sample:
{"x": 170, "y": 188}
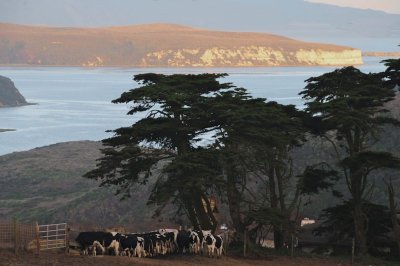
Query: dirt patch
{"x": 57, "y": 259}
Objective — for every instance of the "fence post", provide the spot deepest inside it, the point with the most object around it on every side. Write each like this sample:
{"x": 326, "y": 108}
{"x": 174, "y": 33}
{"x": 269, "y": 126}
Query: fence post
{"x": 226, "y": 243}
{"x": 37, "y": 239}
{"x": 244, "y": 242}
{"x": 14, "y": 222}
{"x": 66, "y": 239}
{"x": 292, "y": 246}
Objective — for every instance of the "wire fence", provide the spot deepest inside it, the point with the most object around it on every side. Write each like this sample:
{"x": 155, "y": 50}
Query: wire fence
{"x": 34, "y": 238}
{"x": 15, "y": 235}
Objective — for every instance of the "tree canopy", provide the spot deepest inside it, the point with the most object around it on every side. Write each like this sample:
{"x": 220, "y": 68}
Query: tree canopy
{"x": 347, "y": 108}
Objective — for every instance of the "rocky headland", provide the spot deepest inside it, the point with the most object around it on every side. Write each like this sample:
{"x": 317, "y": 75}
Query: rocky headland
{"x": 9, "y": 94}
{"x": 162, "y": 45}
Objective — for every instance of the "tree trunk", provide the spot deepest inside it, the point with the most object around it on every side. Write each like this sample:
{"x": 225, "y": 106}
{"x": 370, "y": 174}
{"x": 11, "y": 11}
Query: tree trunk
{"x": 393, "y": 216}
{"x": 278, "y": 232}
{"x": 234, "y": 198}
{"x": 360, "y": 226}
{"x": 278, "y": 237}
{"x": 190, "y": 211}
{"x": 203, "y": 217}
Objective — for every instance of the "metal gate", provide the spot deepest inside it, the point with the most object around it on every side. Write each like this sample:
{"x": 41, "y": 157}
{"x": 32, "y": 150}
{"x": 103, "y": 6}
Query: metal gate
{"x": 51, "y": 236}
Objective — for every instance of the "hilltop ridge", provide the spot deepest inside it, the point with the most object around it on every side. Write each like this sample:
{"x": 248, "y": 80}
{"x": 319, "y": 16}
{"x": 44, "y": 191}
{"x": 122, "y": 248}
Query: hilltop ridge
{"x": 162, "y": 45}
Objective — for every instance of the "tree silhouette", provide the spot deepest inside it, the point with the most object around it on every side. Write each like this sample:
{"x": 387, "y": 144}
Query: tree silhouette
{"x": 347, "y": 109}
{"x": 171, "y": 133}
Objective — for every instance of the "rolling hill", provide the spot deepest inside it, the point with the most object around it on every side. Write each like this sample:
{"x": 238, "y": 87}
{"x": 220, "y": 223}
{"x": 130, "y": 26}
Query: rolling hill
{"x": 162, "y": 45}
{"x": 46, "y": 185}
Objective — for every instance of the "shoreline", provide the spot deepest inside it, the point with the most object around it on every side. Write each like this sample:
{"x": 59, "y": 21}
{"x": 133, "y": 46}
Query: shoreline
{"x": 170, "y": 67}
{"x": 20, "y": 105}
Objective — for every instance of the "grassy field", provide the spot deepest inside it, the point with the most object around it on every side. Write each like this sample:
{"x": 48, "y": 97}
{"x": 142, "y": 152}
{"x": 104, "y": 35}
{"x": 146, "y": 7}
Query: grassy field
{"x": 51, "y": 258}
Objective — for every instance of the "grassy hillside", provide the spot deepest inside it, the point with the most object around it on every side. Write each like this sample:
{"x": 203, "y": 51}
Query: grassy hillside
{"x": 46, "y": 185}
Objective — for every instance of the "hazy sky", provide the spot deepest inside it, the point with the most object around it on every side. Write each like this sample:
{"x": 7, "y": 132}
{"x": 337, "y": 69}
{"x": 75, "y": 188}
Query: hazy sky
{"x": 390, "y": 6}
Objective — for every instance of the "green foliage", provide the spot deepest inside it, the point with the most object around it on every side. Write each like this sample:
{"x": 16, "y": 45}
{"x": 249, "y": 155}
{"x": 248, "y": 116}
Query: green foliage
{"x": 367, "y": 161}
{"x": 265, "y": 216}
{"x": 198, "y": 169}
{"x": 338, "y": 222}
{"x": 347, "y": 100}
{"x": 347, "y": 108}
{"x": 316, "y": 178}
{"x": 176, "y": 120}
{"x": 170, "y": 128}
{"x": 392, "y": 72}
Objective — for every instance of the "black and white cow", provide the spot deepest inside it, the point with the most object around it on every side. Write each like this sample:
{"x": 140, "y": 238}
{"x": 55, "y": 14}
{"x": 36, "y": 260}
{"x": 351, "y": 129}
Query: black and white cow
{"x": 132, "y": 245}
{"x": 202, "y": 237}
{"x": 219, "y": 243}
{"x": 101, "y": 242}
{"x": 210, "y": 243}
{"x": 194, "y": 242}
{"x": 171, "y": 236}
{"x": 153, "y": 243}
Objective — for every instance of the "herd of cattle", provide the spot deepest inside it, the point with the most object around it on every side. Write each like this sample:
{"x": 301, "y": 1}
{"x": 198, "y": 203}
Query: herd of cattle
{"x": 160, "y": 242}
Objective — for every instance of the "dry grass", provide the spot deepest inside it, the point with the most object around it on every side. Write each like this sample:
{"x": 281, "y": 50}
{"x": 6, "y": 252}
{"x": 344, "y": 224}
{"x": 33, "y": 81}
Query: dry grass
{"x": 52, "y": 258}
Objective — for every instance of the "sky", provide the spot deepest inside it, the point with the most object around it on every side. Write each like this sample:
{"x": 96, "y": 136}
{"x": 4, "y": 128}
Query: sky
{"x": 389, "y": 6}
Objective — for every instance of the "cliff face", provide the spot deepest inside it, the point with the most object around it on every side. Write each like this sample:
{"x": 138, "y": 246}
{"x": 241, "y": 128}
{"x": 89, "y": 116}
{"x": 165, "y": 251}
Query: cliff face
{"x": 9, "y": 94}
{"x": 162, "y": 45}
{"x": 247, "y": 56}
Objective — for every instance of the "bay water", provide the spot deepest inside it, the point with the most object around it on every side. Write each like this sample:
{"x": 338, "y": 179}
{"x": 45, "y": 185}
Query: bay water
{"x": 74, "y": 103}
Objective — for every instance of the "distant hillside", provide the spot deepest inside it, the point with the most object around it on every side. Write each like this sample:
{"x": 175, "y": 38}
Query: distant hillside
{"x": 46, "y": 185}
{"x": 296, "y": 18}
{"x": 162, "y": 45}
{"x": 382, "y": 54}
{"x": 9, "y": 94}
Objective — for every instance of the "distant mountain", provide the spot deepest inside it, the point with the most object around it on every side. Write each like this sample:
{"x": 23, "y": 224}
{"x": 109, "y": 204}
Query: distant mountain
{"x": 162, "y": 45}
{"x": 9, "y": 94}
{"x": 295, "y": 18}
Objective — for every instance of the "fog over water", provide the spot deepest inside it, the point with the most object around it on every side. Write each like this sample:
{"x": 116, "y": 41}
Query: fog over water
{"x": 75, "y": 103}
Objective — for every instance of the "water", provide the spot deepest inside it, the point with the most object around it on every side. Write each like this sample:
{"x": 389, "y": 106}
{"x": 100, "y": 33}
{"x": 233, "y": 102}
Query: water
{"x": 75, "y": 103}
